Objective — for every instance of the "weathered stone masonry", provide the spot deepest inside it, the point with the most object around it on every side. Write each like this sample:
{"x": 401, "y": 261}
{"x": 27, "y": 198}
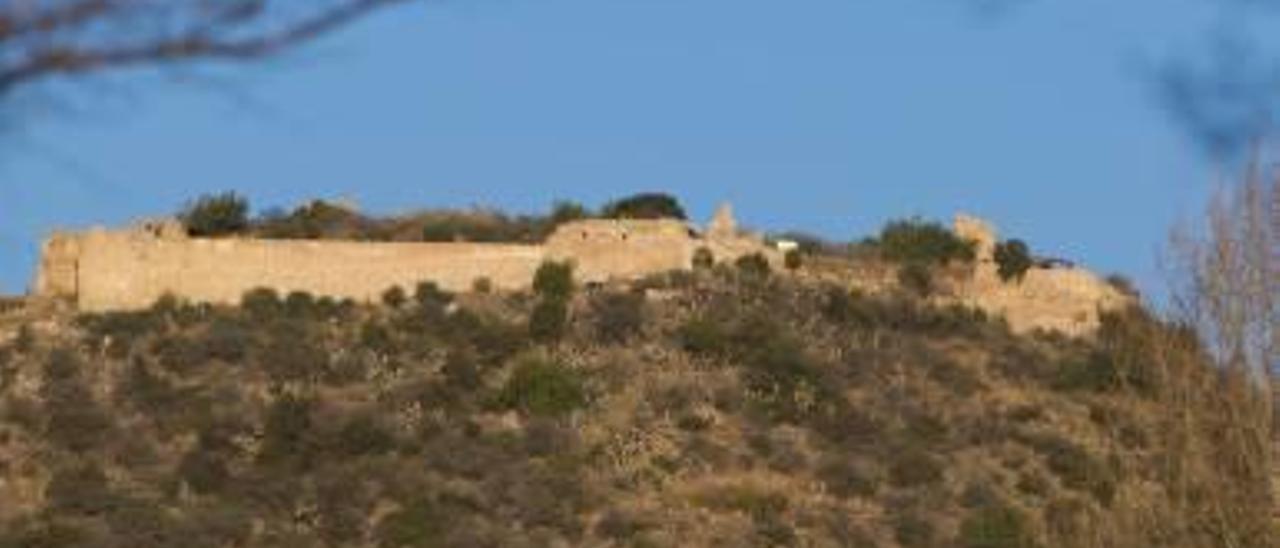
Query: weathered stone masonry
{"x": 104, "y": 270}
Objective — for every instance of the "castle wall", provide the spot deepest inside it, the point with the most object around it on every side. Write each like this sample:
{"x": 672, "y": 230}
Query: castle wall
{"x": 121, "y": 271}
{"x": 603, "y": 249}
{"x": 58, "y": 274}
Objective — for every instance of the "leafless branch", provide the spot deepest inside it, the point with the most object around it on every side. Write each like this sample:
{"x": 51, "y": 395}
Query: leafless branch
{"x": 40, "y": 39}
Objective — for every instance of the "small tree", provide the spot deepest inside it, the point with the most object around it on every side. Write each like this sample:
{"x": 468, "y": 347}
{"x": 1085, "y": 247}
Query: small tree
{"x": 565, "y": 211}
{"x": 916, "y": 278}
{"x": 753, "y": 265}
{"x": 554, "y": 280}
{"x": 618, "y": 316}
{"x": 651, "y": 205}
{"x": 394, "y": 297}
{"x": 216, "y": 215}
{"x": 548, "y": 321}
{"x": 793, "y": 260}
{"x": 1013, "y": 259}
{"x": 703, "y": 259}
{"x": 920, "y": 241}
{"x": 430, "y": 297}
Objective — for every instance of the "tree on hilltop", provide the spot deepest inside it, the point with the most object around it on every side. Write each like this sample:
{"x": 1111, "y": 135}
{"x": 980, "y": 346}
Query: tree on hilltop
{"x": 216, "y": 215}
{"x": 648, "y": 205}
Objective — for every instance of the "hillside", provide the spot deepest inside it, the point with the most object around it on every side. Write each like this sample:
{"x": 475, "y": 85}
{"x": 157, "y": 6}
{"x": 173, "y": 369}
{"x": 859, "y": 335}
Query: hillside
{"x": 723, "y": 407}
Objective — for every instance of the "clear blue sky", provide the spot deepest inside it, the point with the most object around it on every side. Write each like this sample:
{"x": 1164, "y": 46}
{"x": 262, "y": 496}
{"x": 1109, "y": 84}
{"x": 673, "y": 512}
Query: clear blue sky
{"x": 824, "y": 115}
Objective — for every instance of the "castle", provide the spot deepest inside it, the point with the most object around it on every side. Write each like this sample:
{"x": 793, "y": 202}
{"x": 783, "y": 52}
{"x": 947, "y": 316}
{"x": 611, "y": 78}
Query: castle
{"x": 110, "y": 270}
{"x": 104, "y": 270}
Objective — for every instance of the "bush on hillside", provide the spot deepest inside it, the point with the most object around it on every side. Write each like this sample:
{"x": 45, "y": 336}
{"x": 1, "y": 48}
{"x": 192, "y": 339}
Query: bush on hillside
{"x": 645, "y": 206}
{"x": 548, "y": 320}
{"x": 922, "y": 242}
{"x": 793, "y": 260}
{"x": 394, "y": 297}
{"x": 618, "y": 316}
{"x": 754, "y": 266}
{"x": 996, "y": 527}
{"x": 1013, "y": 260}
{"x": 216, "y": 215}
{"x": 703, "y": 259}
{"x": 916, "y": 278}
{"x": 544, "y": 388}
{"x": 554, "y": 280}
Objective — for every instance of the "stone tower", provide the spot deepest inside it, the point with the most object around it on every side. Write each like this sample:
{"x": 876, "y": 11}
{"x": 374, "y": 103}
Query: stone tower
{"x": 723, "y": 224}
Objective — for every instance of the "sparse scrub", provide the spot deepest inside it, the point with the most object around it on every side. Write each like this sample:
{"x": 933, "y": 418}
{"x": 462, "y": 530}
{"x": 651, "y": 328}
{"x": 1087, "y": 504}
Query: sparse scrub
{"x": 216, "y": 215}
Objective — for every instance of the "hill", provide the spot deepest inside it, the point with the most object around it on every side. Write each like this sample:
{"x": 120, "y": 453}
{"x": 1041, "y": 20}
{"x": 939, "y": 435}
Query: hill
{"x": 723, "y": 407}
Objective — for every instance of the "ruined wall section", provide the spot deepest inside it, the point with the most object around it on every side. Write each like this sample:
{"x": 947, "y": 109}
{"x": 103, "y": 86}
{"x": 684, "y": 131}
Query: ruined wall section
{"x": 122, "y": 270}
{"x": 58, "y": 273}
{"x": 1065, "y": 299}
{"x": 605, "y": 249}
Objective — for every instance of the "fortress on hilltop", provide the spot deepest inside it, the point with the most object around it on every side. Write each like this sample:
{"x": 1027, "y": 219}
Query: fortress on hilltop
{"x": 128, "y": 269}
{"x": 103, "y": 270}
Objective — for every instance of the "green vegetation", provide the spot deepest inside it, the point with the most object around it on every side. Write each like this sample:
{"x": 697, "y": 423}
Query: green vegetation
{"x": 544, "y": 388}
{"x": 1013, "y": 260}
{"x": 216, "y": 215}
{"x": 916, "y": 241}
{"x": 644, "y": 206}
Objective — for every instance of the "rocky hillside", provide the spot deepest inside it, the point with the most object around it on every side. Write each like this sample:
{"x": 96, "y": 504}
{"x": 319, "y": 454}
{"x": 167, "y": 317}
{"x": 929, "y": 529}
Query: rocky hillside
{"x": 724, "y": 407}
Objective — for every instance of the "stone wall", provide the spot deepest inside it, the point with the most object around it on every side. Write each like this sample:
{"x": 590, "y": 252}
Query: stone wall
{"x": 603, "y": 249}
{"x": 1065, "y": 299}
{"x": 122, "y": 270}
{"x": 103, "y": 270}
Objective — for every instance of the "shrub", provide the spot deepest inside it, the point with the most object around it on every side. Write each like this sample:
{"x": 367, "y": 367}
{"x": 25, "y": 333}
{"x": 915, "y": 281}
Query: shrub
{"x": 1123, "y": 284}
{"x": 549, "y": 320}
{"x": 996, "y": 527}
{"x": 566, "y": 211}
{"x": 416, "y": 524}
{"x": 916, "y": 278}
{"x": 300, "y": 304}
{"x": 25, "y": 341}
{"x": 618, "y": 316}
{"x": 394, "y": 297}
{"x": 754, "y": 266}
{"x": 287, "y": 428}
{"x": 704, "y": 336}
{"x": 703, "y": 259}
{"x": 363, "y": 434}
{"x": 1013, "y": 259}
{"x": 81, "y": 488}
{"x": 482, "y": 285}
{"x": 913, "y": 531}
{"x": 216, "y": 215}
{"x": 793, "y": 260}
{"x": 544, "y": 388}
{"x": 261, "y": 303}
{"x": 914, "y": 467}
{"x": 919, "y": 241}
{"x": 645, "y": 206}
{"x": 431, "y": 298}
{"x": 554, "y": 280}
{"x": 1076, "y": 468}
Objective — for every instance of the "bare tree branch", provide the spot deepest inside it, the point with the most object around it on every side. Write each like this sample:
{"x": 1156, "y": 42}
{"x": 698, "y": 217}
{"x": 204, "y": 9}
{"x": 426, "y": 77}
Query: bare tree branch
{"x": 40, "y": 39}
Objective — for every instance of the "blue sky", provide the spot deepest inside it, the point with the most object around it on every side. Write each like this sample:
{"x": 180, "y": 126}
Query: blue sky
{"x": 830, "y": 116}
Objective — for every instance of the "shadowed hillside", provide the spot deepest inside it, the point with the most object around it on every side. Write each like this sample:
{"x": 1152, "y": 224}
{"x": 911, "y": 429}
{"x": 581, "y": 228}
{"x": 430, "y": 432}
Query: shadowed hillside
{"x": 729, "y": 406}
